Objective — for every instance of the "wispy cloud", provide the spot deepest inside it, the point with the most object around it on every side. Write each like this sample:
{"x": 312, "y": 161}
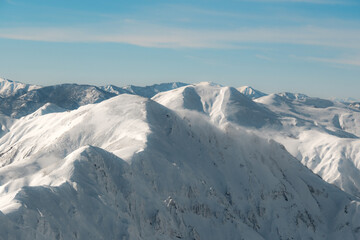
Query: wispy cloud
{"x": 147, "y": 35}
{"x": 354, "y": 61}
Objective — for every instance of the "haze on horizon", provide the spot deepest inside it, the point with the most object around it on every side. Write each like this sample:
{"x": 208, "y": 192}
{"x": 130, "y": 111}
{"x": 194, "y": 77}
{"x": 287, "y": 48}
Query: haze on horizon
{"x": 307, "y": 46}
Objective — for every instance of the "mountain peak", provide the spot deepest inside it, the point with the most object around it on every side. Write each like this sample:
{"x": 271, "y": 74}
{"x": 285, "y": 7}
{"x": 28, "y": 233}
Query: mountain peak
{"x": 251, "y": 92}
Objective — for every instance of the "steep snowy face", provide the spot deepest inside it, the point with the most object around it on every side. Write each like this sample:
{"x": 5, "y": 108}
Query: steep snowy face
{"x": 221, "y": 104}
{"x": 67, "y": 96}
{"x": 251, "y": 92}
{"x": 130, "y": 168}
{"x": 323, "y": 136}
{"x": 10, "y": 88}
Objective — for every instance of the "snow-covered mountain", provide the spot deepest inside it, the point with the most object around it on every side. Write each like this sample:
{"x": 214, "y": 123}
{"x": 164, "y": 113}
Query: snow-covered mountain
{"x": 322, "y": 134}
{"x": 67, "y": 96}
{"x": 345, "y": 100}
{"x": 10, "y": 88}
{"x": 195, "y": 162}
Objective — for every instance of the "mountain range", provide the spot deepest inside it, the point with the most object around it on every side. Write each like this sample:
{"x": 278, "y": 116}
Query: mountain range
{"x": 176, "y": 161}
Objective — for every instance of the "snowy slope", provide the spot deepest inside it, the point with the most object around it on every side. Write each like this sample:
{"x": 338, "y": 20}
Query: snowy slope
{"x": 130, "y": 168}
{"x": 10, "y": 88}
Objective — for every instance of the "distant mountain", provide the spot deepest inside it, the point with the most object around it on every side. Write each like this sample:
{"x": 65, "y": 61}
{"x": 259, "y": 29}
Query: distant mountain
{"x": 67, "y": 96}
{"x": 27, "y": 99}
{"x": 345, "y": 100}
{"x": 251, "y": 92}
{"x": 304, "y": 99}
{"x": 147, "y": 91}
{"x": 12, "y": 88}
{"x": 114, "y": 89}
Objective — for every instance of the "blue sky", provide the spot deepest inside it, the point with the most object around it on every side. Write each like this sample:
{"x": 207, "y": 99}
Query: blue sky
{"x": 308, "y": 46}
